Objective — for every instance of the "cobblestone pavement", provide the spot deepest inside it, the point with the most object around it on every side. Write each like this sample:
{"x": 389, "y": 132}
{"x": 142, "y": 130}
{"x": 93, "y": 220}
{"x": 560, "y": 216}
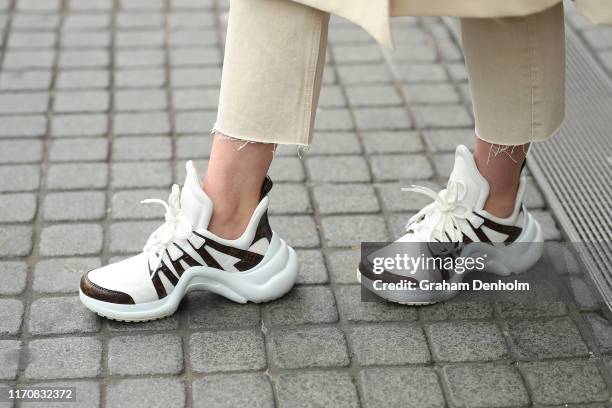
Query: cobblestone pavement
{"x": 102, "y": 101}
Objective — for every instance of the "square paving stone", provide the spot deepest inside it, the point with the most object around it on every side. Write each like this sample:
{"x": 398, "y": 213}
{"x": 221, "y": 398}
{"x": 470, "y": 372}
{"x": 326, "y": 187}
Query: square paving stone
{"x": 340, "y": 169}
{"x": 401, "y": 167}
{"x": 142, "y": 148}
{"x": 31, "y": 102}
{"x": 131, "y": 355}
{"x": 20, "y": 151}
{"x": 298, "y": 231}
{"x": 353, "y": 309}
{"x": 431, "y": 93}
{"x": 61, "y": 275}
{"x": 127, "y": 204}
{"x": 19, "y": 178}
{"x": 405, "y": 387}
{"x": 25, "y": 59}
{"x": 405, "y": 141}
{"x": 17, "y": 207}
{"x": 210, "y": 311}
{"x": 15, "y": 241}
{"x": 25, "y": 80}
{"x": 205, "y": 98}
{"x": 346, "y": 198}
{"x": 170, "y": 323}
{"x": 130, "y": 237}
{"x": 363, "y": 74}
{"x": 332, "y": 143}
{"x": 233, "y": 390}
{"x": 373, "y": 95}
{"x": 388, "y": 345}
{"x": 11, "y": 315}
{"x": 602, "y": 331}
{"x": 317, "y": 388}
{"x": 79, "y": 125}
{"x": 13, "y": 277}
{"x": 286, "y": 169}
{"x": 141, "y": 174}
{"x": 304, "y": 304}
{"x": 75, "y": 176}
{"x": 9, "y": 355}
{"x": 83, "y": 79}
{"x": 192, "y": 147}
{"x": 466, "y": 305}
{"x": 442, "y": 116}
{"x": 195, "y": 122}
{"x": 331, "y": 97}
{"x": 357, "y": 53}
{"x": 141, "y": 123}
{"x": 447, "y": 140}
{"x": 227, "y": 351}
{"x": 81, "y": 101}
{"x": 23, "y": 126}
{"x": 466, "y": 341}
{"x": 443, "y": 164}
{"x": 289, "y": 199}
{"x": 200, "y": 76}
{"x": 75, "y": 206}
{"x": 334, "y": 119}
{"x": 537, "y": 339}
{"x": 342, "y": 265}
{"x": 349, "y": 231}
{"x": 87, "y": 395}
{"x": 565, "y": 382}
{"x": 70, "y": 357}
{"x": 309, "y": 347}
{"x": 587, "y": 299}
{"x": 486, "y": 386}
{"x": 146, "y": 392}
{"x": 67, "y": 150}
{"x": 139, "y": 78}
{"x": 311, "y": 267}
{"x": 57, "y": 315}
{"x": 71, "y": 239}
{"x": 382, "y": 118}
{"x": 141, "y": 100}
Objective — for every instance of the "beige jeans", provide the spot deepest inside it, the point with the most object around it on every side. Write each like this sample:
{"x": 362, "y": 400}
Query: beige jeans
{"x": 275, "y": 54}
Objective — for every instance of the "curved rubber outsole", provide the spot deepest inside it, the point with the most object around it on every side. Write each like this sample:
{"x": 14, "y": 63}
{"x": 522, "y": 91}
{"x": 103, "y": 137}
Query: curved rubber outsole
{"x": 502, "y": 261}
{"x": 271, "y": 279}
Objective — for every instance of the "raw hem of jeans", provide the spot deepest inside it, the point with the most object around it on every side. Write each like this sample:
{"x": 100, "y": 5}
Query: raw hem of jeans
{"x": 254, "y": 139}
{"x": 531, "y": 140}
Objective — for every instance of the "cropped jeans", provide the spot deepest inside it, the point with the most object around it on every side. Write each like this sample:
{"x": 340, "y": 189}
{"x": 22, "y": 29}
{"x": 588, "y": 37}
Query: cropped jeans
{"x": 275, "y": 55}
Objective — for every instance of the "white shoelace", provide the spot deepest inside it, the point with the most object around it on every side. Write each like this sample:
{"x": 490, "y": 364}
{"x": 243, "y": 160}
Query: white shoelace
{"x": 177, "y": 226}
{"x": 440, "y": 220}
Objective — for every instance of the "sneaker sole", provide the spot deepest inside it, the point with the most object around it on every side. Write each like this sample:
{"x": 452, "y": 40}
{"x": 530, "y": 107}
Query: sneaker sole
{"x": 271, "y": 279}
{"x": 510, "y": 260}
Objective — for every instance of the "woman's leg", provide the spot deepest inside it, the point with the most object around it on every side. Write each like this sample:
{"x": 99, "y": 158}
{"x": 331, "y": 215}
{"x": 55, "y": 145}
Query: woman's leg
{"x": 516, "y": 68}
{"x": 274, "y": 58}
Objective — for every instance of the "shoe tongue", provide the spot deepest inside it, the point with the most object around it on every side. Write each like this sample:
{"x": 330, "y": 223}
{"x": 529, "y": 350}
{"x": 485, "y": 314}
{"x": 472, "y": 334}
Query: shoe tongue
{"x": 196, "y": 205}
{"x": 465, "y": 170}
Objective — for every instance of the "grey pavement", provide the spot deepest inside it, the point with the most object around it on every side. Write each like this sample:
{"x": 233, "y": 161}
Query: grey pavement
{"x": 102, "y": 101}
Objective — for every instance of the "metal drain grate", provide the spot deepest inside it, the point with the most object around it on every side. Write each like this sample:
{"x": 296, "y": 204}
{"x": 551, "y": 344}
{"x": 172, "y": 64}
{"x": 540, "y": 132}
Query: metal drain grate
{"x": 574, "y": 169}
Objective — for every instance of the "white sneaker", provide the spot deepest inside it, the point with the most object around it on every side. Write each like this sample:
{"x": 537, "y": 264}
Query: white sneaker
{"x": 182, "y": 255}
{"x": 456, "y": 225}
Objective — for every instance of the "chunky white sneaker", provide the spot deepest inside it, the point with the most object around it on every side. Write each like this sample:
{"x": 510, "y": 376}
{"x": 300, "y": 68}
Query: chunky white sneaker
{"x": 454, "y": 226}
{"x": 182, "y": 255}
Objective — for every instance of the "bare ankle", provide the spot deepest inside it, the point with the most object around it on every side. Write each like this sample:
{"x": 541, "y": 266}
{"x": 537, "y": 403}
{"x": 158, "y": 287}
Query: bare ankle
{"x": 501, "y": 207}
{"x": 232, "y": 210}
